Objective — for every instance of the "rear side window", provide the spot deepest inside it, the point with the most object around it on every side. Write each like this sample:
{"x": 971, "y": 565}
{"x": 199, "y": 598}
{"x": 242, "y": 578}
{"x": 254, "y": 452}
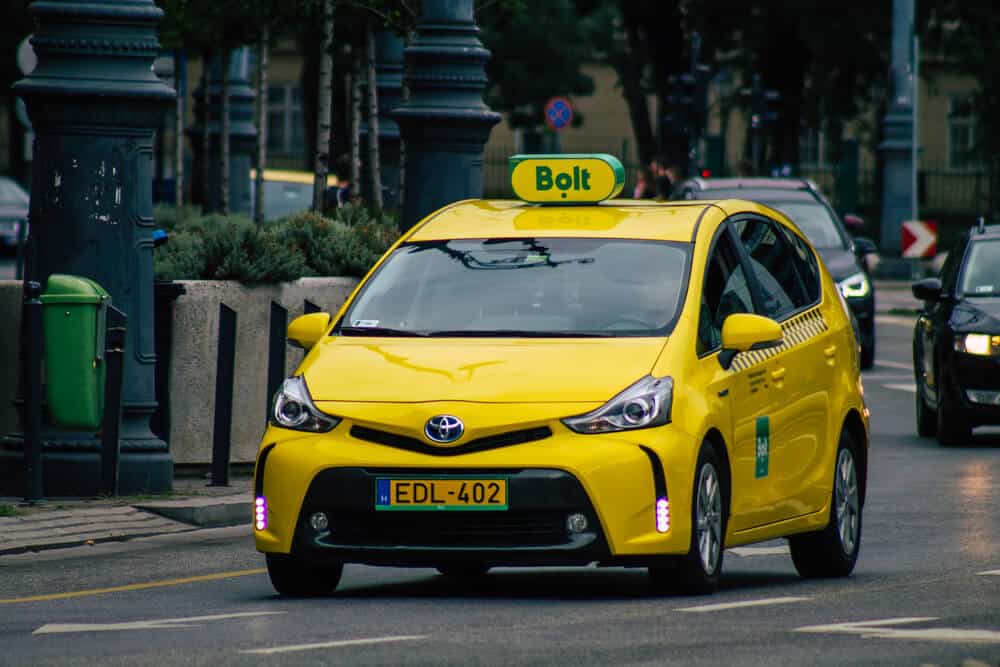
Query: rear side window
{"x": 805, "y": 264}
{"x": 777, "y": 267}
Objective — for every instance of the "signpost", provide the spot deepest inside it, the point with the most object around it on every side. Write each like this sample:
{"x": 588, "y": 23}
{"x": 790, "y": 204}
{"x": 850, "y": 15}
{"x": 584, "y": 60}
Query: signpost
{"x": 919, "y": 238}
{"x": 558, "y": 113}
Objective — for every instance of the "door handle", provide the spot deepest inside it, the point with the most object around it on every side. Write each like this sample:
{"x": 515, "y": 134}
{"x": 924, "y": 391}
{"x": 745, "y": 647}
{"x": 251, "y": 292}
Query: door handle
{"x": 830, "y": 351}
{"x": 778, "y": 375}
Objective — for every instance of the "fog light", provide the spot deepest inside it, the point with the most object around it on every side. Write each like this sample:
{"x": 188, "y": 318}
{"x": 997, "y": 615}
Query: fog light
{"x": 260, "y": 513}
{"x": 662, "y": 515}
{"x": 319, "y": 522}
{"x": 576, "y": 523}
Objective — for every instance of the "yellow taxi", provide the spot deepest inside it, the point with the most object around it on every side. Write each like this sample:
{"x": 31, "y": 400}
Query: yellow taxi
{"x": 567, "y": 379}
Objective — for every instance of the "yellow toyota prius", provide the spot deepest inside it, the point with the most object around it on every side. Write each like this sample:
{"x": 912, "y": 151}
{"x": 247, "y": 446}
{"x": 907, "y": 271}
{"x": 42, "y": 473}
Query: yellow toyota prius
{"x": 567, "y": 379}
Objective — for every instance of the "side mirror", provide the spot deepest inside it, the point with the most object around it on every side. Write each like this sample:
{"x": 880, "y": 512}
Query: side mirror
{"x": 306, "y": 330}
{"x": 864, "y": 246}
{"x": 744, "y": 331}
{"x": 854, "y": 222}
{"x": 928, "y": 289}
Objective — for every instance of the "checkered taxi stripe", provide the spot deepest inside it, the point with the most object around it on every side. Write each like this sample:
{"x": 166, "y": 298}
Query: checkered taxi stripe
{"x": 796, "y": 330}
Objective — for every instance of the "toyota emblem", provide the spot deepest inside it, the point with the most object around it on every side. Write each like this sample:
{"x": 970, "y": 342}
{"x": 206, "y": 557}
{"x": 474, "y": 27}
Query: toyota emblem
{"x": 444, "y": 428}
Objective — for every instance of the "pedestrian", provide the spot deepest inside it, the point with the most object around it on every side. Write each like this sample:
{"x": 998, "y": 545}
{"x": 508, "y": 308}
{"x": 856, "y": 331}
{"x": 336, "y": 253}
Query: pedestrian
{"x": 644, "y": 184}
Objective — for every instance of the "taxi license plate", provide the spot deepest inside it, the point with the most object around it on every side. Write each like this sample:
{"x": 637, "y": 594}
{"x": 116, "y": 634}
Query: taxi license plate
{"x": 440, "y": 494}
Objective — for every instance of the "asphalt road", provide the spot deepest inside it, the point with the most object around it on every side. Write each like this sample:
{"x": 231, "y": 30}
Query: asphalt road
{"x": 926, "y": 589}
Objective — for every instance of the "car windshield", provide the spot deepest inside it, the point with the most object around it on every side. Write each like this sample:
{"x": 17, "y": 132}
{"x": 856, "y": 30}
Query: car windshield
{"x": 11, "y": 193}
{"x": 541, "y": 287}
{"x": 982, "y": 270}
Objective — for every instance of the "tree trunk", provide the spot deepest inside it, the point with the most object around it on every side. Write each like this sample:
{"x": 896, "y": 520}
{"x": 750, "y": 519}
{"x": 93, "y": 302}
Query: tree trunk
{"x": 224, "y": 131}
{"x": 263, "y": 47}
{"x": 180, "y": 76}
{"x": 356, "y": 56}
{"x": 206, "y": 135}
{"x": 324, "y": 109}
{"x": 374, "y": 167}
{"x": 638, "y": 108}
{"x": 404, "y": 97}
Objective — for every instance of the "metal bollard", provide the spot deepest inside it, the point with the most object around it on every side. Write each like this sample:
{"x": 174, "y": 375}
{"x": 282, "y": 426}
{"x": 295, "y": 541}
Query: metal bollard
{"x": 31, "y": 378}
{"x": 114, "y": 355}
{"x": 222, "y": 431}
{"x": 275, "y": 352}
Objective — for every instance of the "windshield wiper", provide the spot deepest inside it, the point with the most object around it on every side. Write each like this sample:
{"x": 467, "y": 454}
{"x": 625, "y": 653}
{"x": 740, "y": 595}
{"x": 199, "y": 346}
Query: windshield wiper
{"x": 514, "y": 333}
{"x": 378, "y": 331}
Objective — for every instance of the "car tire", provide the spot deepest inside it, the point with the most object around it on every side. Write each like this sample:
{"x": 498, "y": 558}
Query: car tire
{"x": 698, "y": 572}
{"x": 926, "y": 416}
{"x": 953, "y": 427}
{"x": 295, "y": 577}
{"x": 833, "y": 551}
{"x": 463, "y": 570}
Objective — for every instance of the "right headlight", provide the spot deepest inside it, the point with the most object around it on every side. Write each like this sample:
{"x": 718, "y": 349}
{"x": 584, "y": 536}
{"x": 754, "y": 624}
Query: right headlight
{"x": 646, "y": 403}
{"x": 293, "y": 408}
{"x": 978, "y": 343}
{"x": 855, "y": 286}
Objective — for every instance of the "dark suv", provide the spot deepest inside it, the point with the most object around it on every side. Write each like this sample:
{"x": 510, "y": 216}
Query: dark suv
{"x": 956, "y": 342}
{"x": 805, "y": 205}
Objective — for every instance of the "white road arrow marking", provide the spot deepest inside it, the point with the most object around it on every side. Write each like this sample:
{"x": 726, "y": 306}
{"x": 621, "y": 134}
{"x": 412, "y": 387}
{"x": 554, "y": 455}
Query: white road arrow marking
{"x": 759, "y": 551}
{"x": 721, "y": 606}
{"x": 880, "y": 630}
{"x": 987, "y": 573}
{"x": 907, "y": 387}
{"x": 334, "y": 644}
{"x": 894, "y": 364}
{"x": 158, "y": 624}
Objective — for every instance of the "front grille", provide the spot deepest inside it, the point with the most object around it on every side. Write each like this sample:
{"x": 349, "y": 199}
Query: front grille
{"x": 479, "y": 444}
{"x": 448, "y": 529}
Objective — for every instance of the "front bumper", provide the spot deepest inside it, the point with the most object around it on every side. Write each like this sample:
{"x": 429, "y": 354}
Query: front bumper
{"x": 976, "y": 377}
{"x": 614, "y": 481}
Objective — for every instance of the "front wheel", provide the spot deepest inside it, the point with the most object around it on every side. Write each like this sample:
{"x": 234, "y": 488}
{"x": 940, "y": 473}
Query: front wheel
{"x": 699, "y": 570}
{"x": 926, "y": 416}
{"x": 952, "y": 426}
{"x": 833, "y": 551}
{"x": 295, "y": 577}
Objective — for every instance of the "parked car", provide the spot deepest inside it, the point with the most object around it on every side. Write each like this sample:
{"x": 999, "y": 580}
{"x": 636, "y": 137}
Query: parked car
{"x": 286, "y": 192}
{"x": 803, "y": 202}
{"x": 956, "y": 341}
{"x": 13, "y": 212}
{"x": 565, "y": 380}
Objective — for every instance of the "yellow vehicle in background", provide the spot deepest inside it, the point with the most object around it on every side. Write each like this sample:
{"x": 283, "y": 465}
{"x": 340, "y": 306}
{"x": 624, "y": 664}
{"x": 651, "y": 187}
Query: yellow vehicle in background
{"x": 566, "y": 379}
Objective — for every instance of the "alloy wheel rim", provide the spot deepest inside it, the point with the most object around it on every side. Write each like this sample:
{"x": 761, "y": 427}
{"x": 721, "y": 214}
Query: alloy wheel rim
{"x": 847, "y": 502}
{"x": 708, "y": 518}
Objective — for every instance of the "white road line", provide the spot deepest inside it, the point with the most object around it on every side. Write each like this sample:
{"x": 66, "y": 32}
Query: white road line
{"x": 880, "y": 630}
{"x": 334, "y": 644}
{"x": 896, "y": 319}
{"x": 759, "y": 551}
{"x": 739, "y": 605}
{"x": 159, "y": 624}
{"x": 904, "y": 386}
{"x": 893, "y": 364}
{"x": 989, "y": 573}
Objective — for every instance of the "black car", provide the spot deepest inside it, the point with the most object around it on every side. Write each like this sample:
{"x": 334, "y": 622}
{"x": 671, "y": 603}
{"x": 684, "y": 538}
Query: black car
{"x": 805, "y": 205}
{"x": 956, "y": 341}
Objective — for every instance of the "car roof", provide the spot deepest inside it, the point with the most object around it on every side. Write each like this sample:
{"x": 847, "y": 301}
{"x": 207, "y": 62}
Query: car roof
{"x": 762, "y": 195}
{"x": 617, "y": 218}
{"x": 989, "y": 232}
{"x": 751, "y": 183}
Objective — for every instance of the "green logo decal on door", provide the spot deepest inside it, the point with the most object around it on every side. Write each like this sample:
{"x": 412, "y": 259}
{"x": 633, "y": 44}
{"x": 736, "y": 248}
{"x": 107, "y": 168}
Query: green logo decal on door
{"x": 763, "y": 446}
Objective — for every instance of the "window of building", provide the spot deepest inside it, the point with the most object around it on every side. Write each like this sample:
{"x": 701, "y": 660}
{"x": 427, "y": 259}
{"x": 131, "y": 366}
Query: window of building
{"x": 963, "y": 134}
{"x": 285, "y": 132}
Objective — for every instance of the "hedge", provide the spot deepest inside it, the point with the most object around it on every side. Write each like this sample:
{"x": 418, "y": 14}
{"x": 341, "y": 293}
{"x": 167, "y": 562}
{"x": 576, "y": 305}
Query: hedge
{"x": 216, "y": 247}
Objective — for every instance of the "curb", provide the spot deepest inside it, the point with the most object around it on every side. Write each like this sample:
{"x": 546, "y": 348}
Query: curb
{"x": 204, "y": 513}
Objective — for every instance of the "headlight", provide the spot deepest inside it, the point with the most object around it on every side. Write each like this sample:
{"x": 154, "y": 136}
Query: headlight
{"x": 855, "y": 286}
{"x": 646, "y": 403}
{"x": 977, "y": 343}
{"x": 293, "y": 408}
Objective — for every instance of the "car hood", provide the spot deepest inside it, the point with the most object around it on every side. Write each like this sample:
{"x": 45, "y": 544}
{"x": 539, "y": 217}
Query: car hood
{"x": 487, "y": 370}
{"x": 979, "y": 314}
{"x": 839, "y": 262}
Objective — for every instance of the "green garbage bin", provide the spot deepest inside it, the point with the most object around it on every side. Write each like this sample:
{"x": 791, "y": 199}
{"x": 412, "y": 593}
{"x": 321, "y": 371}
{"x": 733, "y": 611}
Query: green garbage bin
{"x": 74, "y": 311}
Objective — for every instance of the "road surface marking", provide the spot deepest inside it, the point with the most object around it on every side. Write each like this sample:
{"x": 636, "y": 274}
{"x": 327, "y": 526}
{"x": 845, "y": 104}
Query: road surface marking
{"x": 333, "y": 644}
{"x": 759, "y": 551}
{"x": 880, "y": 630}
{"x": 893, "y": 364}
{"x": 739, "y": 605}
{"x": 905, "y": 386}
{"x": 159, "y": 624}
{"x": 896, "y": 319}
{"x": 987, "y": 573}
{"x": 136, "y": 587}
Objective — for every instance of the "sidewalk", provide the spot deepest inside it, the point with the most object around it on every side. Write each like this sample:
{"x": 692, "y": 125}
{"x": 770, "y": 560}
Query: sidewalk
{"x": 70, "y": 522}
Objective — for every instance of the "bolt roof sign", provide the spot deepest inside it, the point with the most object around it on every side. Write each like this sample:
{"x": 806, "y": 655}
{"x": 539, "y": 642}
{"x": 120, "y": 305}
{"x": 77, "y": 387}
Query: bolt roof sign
{"x": 558, "y": 113}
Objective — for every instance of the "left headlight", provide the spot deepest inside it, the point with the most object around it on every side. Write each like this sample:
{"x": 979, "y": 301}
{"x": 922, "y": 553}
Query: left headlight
{"x": 293, "y": 408}
{"x": 855, "y": 286}
{"x": 646, "y": 403}
{"x": 978, "y": 343}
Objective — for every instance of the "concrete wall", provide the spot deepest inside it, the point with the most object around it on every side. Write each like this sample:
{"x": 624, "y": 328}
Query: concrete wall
{"x": 193, "y": 357}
